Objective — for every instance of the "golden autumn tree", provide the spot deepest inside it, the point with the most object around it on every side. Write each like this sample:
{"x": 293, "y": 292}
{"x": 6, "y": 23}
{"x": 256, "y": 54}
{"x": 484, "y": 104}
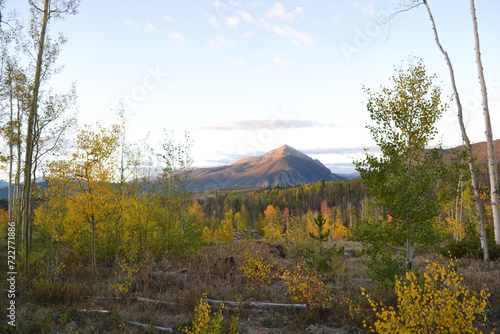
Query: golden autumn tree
{"x": 84, "y": 180}
{"x": 273, "y": 227}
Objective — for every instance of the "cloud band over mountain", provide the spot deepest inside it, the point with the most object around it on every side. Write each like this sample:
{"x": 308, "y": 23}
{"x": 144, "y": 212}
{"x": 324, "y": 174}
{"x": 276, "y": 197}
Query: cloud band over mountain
{"x": 256, "y": 124}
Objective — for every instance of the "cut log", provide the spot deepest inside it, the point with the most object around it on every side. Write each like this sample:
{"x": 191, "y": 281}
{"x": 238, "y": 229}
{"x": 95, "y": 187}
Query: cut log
{"x": 253, "y": 304}
{"x": 158, "y": 328}
{"x": 260, "y": 305}
{"x": 169, "y": 273}
{"x": 139, "y": 299}
{"x": 94, "y": 311}
{"x": 147, "y": 300}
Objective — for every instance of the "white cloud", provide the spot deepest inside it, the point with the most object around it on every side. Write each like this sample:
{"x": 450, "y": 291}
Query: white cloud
{"x": 130, "y": 24}
{"x": 278, "y": 11}
{"x": 217, "y": 42}
{"x": 263, "y": 23}
{"x": 264, "y": 68}
{"x": 280, "y": 60}
{"x": 168, "y": 19}
{"x": 234, "y": 61}
{"x": 245, "y": 16}
{"x": 280, "y": 32}
{"x": 216, "y": 4}
{"x": 300, "y": 37}
{"x": 257, "y": 124}
{"x": 213, "y": 21}
{"x": 233, "y": 21}
{"x": 150, "y": 27}
{"x": 248, "y": 34}
{"x": 176, "y": 37}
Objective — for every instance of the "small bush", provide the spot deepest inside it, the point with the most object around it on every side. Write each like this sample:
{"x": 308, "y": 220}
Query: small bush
{"x": 207, "y": 322}
{"x": 470, "y": 248}
{"x": 304, "y": 286}
{"x": 259, "y": 273}
{"x": 439, "y": 304}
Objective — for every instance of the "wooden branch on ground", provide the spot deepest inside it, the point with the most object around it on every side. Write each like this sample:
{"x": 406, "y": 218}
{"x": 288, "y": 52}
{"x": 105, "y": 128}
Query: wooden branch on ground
{"x": 169, "y": 273}
{"x": 158, "y": 328}
{"x": 230, "y": 303}
{"x": 147, "y": 300}
{"x": 94, "y": 310}
{"x": 140, "y": 299}
{"x": 254, "y": 304}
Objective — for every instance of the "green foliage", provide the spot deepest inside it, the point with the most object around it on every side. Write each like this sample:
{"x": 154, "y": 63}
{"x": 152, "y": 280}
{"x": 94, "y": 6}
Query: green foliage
{"x": 470, "y": 248}
{"x": 384, "y": 262}
{"x": 259, "y": 226}
{"x": 406, "y": 180}
{"x": 328, "y": 260}
{"x": 321, "y": 234}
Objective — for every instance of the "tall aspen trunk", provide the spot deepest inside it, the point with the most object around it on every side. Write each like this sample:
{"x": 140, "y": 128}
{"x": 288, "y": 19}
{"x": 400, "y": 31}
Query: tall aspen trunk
{"x": 492, "y": 163}
{"x": 468, "y": 147}
{"x": 28, "y": 162}
{"x": 11, "y": 151}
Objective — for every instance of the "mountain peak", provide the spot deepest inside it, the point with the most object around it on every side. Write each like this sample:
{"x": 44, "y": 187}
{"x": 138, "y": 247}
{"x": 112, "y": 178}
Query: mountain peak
{"x": 279, "y": 152}
{"x": 281, "y": 166}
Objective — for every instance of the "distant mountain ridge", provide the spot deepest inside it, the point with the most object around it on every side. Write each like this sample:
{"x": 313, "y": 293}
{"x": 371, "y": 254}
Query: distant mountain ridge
{"x": 479, "y": 150}
{"x": 282, "y": 166}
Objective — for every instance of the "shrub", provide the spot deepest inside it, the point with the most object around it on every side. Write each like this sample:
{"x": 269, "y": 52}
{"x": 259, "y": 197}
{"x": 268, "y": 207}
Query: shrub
{"x": 304, "y": 286}
{"x": 439, "y": 304}
{"x": 207, "y": 322}
{"x": 258, "y": 272}
{"x": 470, "y": 248}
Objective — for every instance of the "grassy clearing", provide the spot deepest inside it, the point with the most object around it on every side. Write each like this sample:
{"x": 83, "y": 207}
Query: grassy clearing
{"x": 56, "y": 304}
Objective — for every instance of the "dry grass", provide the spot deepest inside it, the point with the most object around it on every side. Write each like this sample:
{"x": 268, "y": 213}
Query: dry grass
{"x": 52, "y": 306}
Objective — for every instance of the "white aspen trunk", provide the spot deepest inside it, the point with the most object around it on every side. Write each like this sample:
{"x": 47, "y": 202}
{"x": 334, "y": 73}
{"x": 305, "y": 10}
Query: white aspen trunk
{"x": 11, "y": 152}
{"x": 471, "y": 159}
{"x": 28, "y": 163}
{"x": 492, "y": 163}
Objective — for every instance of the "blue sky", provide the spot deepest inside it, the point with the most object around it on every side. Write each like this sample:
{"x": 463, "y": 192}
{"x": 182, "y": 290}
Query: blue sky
{"x": 244, "y": 77}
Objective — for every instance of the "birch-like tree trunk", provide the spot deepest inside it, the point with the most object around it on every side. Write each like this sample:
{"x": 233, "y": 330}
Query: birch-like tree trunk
{"x": 492, "y": 163}
{"x": 28, "y": 162}
{"x": 468, "y": 147}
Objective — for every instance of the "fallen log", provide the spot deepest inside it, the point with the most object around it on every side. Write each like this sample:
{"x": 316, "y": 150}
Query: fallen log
{"x": 230, "y": 303}
{"x": 140, "y": 299}
{"x": 254, "y": 304}
{"x": 94, "y": 310}
{"x": 147, "y": 300}
{"x": 128, "y": 322}
{"x": 158, "y": 328}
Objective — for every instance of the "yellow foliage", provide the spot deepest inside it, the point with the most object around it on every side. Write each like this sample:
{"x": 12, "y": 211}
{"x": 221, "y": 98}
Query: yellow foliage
{"x": 208, "y": 235}
{"x": 353, "y": 309}
{"x": 306, "y": 287}
{"x": 441, "y": 304}
{"x": 340, "y": 231}
{"x": 83, "y": 183}
{"x": 273, "y": 227}
{"x": 226, "y": 230}
{"x": 125, "y": 287}
{"x": 258, "y": 272}
{"x": 207, "y": 322}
